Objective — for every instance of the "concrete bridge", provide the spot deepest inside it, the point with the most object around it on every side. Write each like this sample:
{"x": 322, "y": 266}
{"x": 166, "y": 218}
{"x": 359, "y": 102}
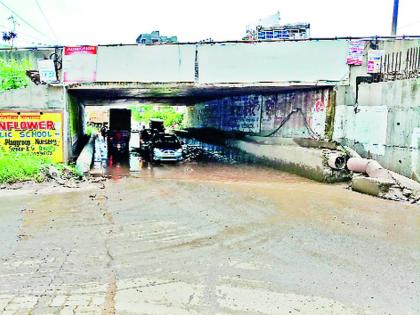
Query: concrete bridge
{"x": 249, "y": 87}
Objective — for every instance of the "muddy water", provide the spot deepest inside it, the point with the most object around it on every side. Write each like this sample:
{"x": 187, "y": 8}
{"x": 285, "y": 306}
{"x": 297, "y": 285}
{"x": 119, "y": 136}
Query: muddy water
{"x": 202, "y": 237}
{"x": 196, "y": 152}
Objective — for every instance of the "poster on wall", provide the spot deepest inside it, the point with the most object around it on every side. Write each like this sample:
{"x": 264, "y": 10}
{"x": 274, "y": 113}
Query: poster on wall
{"x": 374, "y": 61}
{"x": 46, "y": 70}
{"x": 40, "y": 133}
{"x": 355, "y": 52}
{"x": 79, "y": 64}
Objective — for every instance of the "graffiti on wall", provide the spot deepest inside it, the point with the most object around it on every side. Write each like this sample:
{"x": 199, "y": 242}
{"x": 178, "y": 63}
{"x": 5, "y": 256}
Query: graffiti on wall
{"x": 278, "y": 110}
{"x": 262, "y": 114}
{"x": 239, "y": 113}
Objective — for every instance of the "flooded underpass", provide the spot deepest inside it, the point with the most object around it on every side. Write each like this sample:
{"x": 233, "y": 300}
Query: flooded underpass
{"x": 196, "y": 154}
{"x": 207, "y": 236}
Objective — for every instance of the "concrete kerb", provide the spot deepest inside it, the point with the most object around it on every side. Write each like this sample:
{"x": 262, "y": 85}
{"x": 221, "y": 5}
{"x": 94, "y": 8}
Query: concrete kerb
{"x": 84, "y": 161}
{"x": 312, "y": 159}
{"x": 309, "y": 162}
{"x": 305, "y": 157}
{"x": 372, "y": 186}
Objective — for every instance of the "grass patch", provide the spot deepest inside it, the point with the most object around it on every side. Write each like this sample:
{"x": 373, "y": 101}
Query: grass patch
{"x": 13, "y": 73}
{"x": 68, "y": 169}
{"x": 16, "y": 167}
{"x": 24, "y": 166}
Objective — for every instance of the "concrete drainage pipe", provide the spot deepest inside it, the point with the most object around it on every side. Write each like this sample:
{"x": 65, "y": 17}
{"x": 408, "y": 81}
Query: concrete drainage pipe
{"x": 336, "y": 161}
{"x": 357, "y": 165}
{"x": 370, "y": 167}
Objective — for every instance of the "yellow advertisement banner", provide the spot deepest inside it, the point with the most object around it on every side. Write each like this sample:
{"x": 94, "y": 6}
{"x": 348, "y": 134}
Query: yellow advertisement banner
{"x": 40, "y": 133}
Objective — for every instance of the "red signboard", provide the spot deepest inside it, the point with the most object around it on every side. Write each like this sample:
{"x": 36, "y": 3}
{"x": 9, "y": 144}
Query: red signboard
{"x": 79, "y": 64}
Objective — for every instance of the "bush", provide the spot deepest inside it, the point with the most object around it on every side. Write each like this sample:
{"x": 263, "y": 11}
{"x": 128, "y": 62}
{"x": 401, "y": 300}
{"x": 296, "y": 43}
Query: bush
{"x": 13, "y": 74}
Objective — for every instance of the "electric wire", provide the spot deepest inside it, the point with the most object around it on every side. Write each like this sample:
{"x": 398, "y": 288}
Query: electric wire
{"x": 312, "y": 133}
{"x": 27, "y": 37}
{"x": 23, "y": 20}
{"x": 47, "y": 21}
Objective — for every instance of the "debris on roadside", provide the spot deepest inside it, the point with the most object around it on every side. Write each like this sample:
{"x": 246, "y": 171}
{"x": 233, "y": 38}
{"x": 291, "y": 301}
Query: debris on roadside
{"x": 371, "y": 178}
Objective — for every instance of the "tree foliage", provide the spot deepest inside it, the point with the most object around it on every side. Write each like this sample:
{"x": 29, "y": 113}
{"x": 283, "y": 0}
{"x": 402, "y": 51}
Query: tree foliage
{"x": 166, "y": 113}
{"x": 13, "y": 74}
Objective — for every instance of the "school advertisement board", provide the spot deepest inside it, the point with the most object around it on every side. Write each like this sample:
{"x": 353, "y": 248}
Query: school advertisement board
{"x": 40, "y": 133}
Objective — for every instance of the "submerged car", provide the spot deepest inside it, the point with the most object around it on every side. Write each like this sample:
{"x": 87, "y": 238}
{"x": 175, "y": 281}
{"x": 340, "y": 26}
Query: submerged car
{"x": 165, "y": 147}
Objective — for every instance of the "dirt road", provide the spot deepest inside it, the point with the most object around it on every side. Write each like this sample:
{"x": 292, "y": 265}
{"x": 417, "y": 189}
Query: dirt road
{"x": 207, "y": 239}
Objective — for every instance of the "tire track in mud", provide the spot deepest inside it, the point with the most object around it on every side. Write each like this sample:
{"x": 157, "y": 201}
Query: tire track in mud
{"x": 111, "y": 290}
{"x": 109, "y": 305}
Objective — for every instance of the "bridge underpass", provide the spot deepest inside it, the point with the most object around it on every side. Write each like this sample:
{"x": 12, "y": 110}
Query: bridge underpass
{"x": 257, "y": 109}
{"x": 207, "y": 239}
{"x": 183, "y": 74}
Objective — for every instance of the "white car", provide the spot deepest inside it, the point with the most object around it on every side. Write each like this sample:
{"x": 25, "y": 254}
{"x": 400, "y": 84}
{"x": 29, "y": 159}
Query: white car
{"x": 166, "y": 147}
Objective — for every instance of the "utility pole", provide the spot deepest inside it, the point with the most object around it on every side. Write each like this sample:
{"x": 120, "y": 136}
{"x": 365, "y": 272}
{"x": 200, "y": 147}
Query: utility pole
{"x": 395, "y": 18}
{"x": 14, "y": 29}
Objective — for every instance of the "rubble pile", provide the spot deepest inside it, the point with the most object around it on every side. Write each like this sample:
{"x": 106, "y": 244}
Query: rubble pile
{"x": 369, "y": 177}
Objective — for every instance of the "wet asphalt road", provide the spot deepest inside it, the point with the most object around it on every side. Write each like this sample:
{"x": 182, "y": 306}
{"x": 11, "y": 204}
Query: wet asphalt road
{"x": 207, "y": 239}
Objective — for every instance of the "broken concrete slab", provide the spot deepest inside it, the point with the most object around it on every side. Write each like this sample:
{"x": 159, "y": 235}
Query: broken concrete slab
{"x": 372, "y": 186}
{"x": 406, "y": 182}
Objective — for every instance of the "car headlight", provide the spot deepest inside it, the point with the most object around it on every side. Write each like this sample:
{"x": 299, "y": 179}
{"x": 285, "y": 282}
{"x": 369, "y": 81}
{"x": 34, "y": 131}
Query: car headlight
{"x": 157, "y": 151}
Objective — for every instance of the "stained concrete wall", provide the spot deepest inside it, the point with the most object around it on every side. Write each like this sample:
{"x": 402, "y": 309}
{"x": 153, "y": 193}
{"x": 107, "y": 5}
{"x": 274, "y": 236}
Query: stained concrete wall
{"x": 27, "y": 54}
{"x": 76, "y": 126}
{"x": 384, "y": 120}
{"x": 305, "y": 61}
{"x": 162, "y": 63}
{"x": 347, "y": 93}
{"x": 302, "y": 61}
{"x": 385, "y": 125}
{"x": 263, "y": 114}
{"x": 33, "y": 97}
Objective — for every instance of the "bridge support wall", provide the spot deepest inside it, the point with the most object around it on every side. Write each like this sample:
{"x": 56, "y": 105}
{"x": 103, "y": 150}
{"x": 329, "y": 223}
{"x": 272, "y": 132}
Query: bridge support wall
{"x": 297, "y": 114}
{"x": 43, "y": 98}
{"x": 385, "y": 125}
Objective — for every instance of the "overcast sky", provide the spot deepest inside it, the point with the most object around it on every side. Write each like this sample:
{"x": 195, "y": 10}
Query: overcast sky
{"x": 72, "y": 22}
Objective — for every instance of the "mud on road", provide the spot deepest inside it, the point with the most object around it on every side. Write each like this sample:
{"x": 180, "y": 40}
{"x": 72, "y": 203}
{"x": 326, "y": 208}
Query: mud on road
{"x": 207, "y": 239}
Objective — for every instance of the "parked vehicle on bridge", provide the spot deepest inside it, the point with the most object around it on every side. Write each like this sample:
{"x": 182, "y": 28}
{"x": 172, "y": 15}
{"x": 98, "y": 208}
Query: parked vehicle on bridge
{"x": 119, "y": 133}
{"x": 165, "y": 147}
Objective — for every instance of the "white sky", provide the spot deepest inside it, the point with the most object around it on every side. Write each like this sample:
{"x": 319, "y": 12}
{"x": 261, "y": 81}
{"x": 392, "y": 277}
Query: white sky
{"x": 121, "y": 21}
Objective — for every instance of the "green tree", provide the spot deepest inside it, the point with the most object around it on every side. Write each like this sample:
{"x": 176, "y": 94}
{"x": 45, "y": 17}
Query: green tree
{"x": 166, "y": 113}
{"x": 13, "y": 74}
